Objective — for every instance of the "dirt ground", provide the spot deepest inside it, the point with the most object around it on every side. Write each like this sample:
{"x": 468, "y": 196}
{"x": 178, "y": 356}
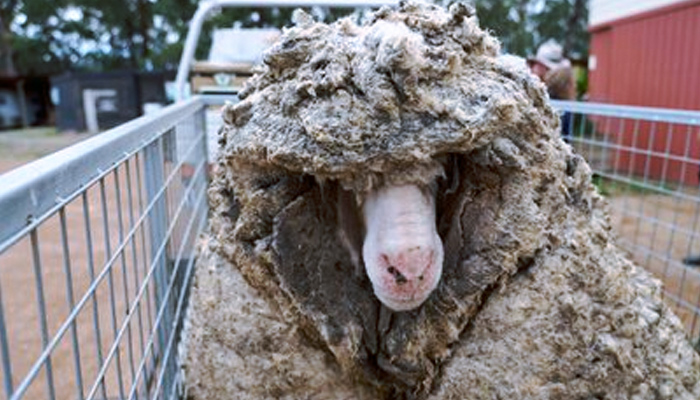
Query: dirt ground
{"x": 659, "y": 232}
{"x": 20, "y": 146}
{"x": 659, "y": 241}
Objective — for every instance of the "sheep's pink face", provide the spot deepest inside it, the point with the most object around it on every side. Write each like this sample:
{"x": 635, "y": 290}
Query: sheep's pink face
{"x": 401, "y": 250}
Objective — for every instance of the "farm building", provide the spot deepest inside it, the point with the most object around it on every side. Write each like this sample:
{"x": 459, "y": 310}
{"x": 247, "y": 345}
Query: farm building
{"x": 647, "y": 53}
{"x": 95, "y": 101}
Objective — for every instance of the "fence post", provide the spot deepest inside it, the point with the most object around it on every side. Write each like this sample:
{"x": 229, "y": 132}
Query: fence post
{"x": 154, "y": 161}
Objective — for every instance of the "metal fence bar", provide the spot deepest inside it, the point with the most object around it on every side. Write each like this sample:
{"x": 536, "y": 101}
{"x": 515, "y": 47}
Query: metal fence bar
{"x": 5, "y": 352}
{"x": 647, "y": 167}
{"x": 144, "y": 252}
{"x": 158, "y": 219}
{"x": 110, "y": 282}
{"x": 135, "y": 263}
{"x": 91, "y": 272}
{"x": 695, "y": 315}
{"x": 159, "y": 316}
{"x": 647, "y": 152}
{"x": 677, "y": 202}
{"x": 181, "y": 298}
{"x": 69, "y": 297}
{"x": 43, "y": 324}
{"x": 631, "y": 112}
{"x": 125, "y": 280}
{"x": 188, "y": 271}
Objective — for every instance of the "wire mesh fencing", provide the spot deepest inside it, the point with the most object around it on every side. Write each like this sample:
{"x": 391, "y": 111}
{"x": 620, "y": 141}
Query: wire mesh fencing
{"x": 646, "y": 161}
{"x": 97, "y": 249}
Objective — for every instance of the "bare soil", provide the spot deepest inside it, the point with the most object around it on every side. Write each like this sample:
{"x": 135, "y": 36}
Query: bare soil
{"x": 18, "y": 147}
{"x": 659, "y": 232}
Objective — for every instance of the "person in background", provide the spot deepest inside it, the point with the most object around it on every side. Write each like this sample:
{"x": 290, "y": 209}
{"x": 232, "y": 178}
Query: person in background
{"x": 555, "y": 70}
{"x": 550, "y": 56}
{"x": 561, "y": 86}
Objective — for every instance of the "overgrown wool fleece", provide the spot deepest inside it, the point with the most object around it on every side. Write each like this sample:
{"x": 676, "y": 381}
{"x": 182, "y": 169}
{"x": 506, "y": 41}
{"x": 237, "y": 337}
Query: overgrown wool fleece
{"x": 535, "y": 300}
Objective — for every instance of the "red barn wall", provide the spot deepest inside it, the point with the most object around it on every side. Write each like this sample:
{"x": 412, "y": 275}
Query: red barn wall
{"x": 651, "y": 59}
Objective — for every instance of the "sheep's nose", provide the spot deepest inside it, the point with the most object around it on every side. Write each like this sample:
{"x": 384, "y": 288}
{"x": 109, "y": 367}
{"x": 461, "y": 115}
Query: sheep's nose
{"x": 407, "y": 268}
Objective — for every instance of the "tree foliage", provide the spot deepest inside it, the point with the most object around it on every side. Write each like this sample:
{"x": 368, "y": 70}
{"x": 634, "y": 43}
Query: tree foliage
{"x": 51, "y": 36}
{"x": 523, "y": 25}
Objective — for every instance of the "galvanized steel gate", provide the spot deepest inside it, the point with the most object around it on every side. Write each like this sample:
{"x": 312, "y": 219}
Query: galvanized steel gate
{"x": 97, "y": 247}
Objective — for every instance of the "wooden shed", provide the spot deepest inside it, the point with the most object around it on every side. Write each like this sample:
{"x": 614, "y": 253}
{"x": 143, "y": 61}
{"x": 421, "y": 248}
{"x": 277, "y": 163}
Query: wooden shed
{"x": 647, "y": 53}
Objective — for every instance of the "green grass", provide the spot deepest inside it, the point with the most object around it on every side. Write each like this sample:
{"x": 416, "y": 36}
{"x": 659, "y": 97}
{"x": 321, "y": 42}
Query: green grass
{"x": 609, "y": 188}
{"x": 23, "y": 145}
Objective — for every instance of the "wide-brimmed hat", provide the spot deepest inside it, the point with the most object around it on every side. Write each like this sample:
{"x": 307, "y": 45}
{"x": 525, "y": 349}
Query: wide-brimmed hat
{"x": 551, "y": 55}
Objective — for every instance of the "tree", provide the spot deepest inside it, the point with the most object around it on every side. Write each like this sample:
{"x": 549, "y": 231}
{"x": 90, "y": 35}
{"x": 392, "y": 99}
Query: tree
{"x": 565, "y": 21}
{"x": 7, "y": 13}
{"x": 50, "y": 36}
{"x": 508, "y": 20}
{"x": 523, "y": 25}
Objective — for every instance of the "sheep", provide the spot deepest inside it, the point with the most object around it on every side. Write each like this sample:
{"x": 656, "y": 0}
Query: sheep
{"x": 416, "y": 115}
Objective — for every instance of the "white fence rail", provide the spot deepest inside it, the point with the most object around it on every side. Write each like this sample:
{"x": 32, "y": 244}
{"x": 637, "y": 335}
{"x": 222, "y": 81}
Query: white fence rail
{"x": 97, "y": 247}
{"x": 647, "y": 163}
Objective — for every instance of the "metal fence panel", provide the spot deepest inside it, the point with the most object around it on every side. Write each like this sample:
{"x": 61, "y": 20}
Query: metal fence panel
{"x": 97, "y": 248}
{"x": 646, "y": 161}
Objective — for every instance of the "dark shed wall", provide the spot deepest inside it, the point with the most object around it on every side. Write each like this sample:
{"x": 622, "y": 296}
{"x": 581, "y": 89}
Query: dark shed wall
{"x": 133, "y": 89}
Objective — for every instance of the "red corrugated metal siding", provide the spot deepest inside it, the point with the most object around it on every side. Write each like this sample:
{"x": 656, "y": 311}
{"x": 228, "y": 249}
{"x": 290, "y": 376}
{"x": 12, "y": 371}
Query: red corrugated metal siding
{"x": 651, "y": 61}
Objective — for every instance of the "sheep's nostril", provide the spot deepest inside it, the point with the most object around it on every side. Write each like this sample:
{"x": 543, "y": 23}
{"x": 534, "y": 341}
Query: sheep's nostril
{"x": 420, "y": 278}
{"x": 398, "y": 276}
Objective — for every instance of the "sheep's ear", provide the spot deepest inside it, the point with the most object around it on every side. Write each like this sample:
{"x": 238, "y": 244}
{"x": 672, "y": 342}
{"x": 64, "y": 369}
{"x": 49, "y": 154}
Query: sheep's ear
{"x": 350, "y": 227}
{"x": 452, "y": 174}
{"x": 448, "y": 188}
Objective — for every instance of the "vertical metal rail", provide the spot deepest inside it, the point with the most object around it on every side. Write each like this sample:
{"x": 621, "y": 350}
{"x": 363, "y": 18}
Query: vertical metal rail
{"x": 135, "y": 262}
{"x": 125, "y": 276}
{"x": 5, "y": 352}
{"x": 71, "y": 302}
{"x": 41, "y": 302}
{"x": 154, "y": 161}
{"x": 93, "y": 296}
{"x": 146, "y": 265}
{"x": 110, "y": 282}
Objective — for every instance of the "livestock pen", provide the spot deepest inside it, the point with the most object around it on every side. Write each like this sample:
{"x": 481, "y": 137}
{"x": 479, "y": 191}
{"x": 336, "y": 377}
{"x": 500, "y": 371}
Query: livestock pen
{"x": 98, "y": 242}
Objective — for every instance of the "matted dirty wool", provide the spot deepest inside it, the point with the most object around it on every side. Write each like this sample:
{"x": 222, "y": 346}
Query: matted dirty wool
{"x": 535, "y": 300}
